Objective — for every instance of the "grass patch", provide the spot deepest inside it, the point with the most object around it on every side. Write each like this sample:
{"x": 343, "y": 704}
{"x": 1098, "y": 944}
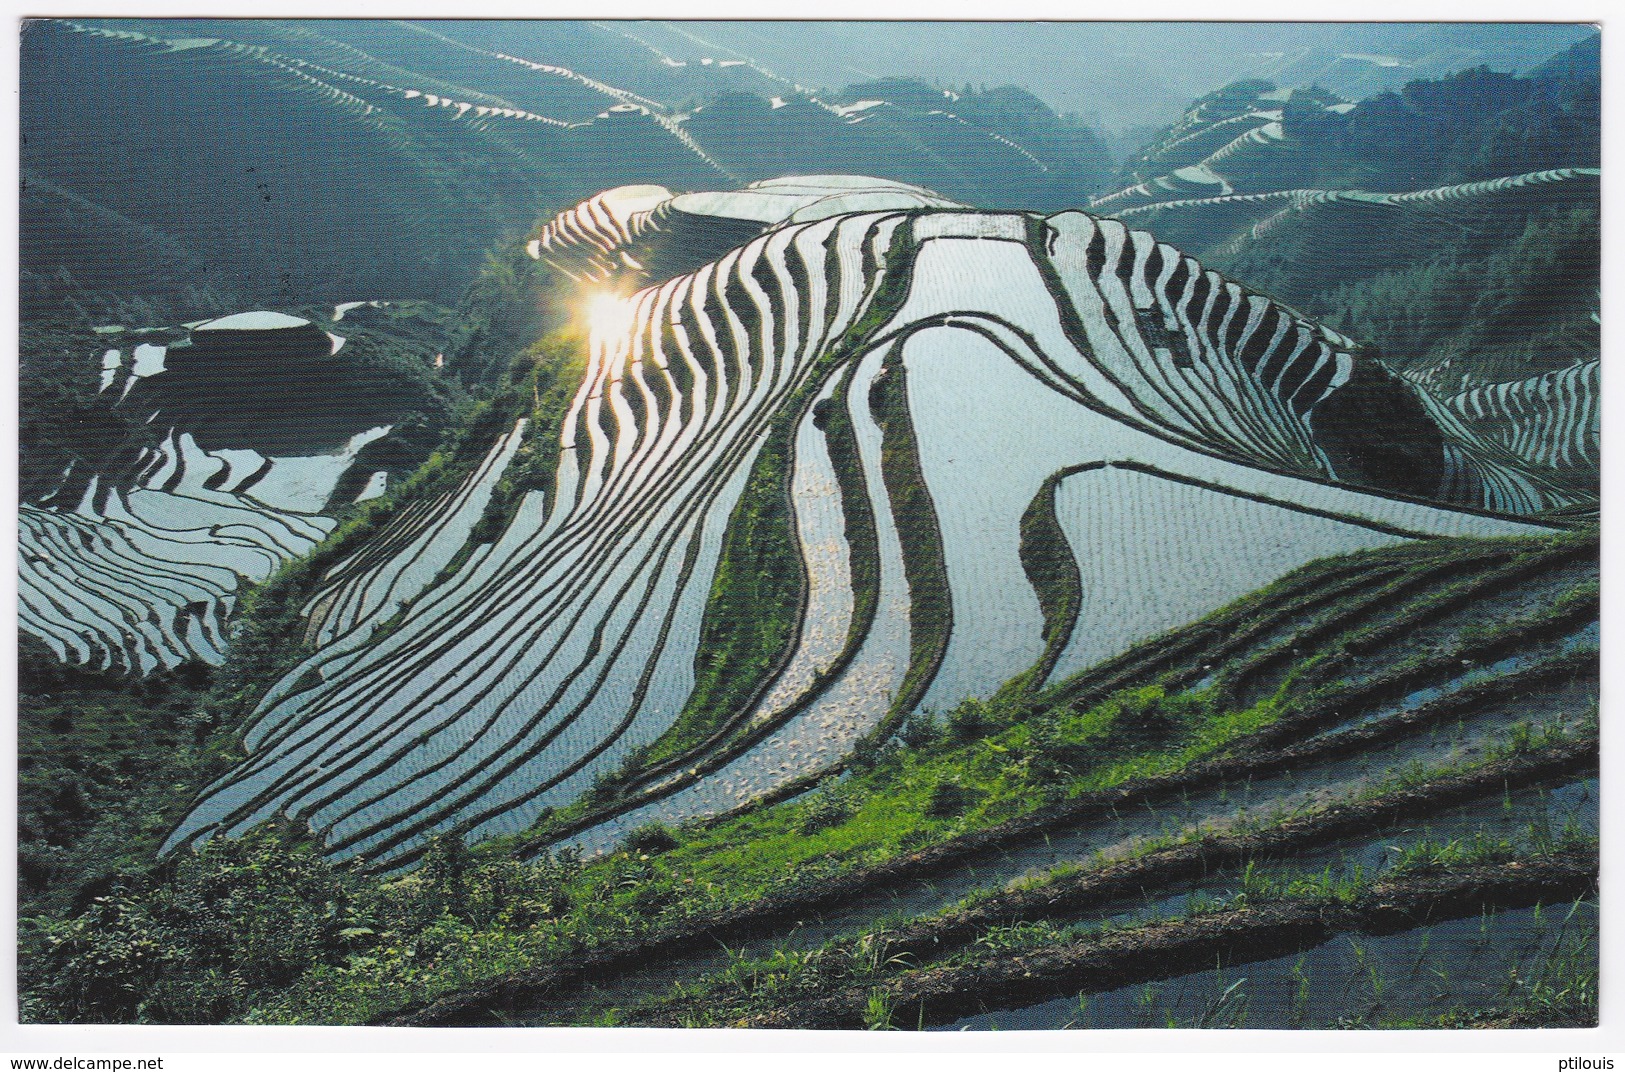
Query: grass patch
{"x": 754, "y": 609}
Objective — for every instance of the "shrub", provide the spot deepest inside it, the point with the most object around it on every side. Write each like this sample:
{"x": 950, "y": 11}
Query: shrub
{"x": 970, "y": 721}
{"x": 236, "y": 918}
{"x": 1146, "y": 717}
{"x": 651, "y": 839}
{"x": 876, "y": 756}
{"x": 1055, "y": 759}
{"x": 914, "y": 840}
{"x": 922, "y": 730}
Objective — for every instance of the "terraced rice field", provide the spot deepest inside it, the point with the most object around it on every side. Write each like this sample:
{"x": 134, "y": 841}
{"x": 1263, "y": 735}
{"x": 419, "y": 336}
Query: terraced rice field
{"x": 804, "y": 601}
{"x": 146, "y": 577}
{"x": 1208, "y": 157}
{"x": 859, "y": 373}
{"x": 1552, "y": 421}
{"x": 143, "y": 572}
{"x": 1222, "y": 191}
{"x": 1228, "y": 223}
{"x": 632, "y": 230}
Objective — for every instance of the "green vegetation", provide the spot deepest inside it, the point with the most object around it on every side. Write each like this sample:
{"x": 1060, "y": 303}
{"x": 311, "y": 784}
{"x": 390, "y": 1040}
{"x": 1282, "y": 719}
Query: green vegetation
{"x": 1454, "y": 293}
{"x": 95, "y": 755}
{"x": 501, "y": 314}
{"x": 930, "y": 603}
{"x": 108, "y": 763}
{"x": 540, "y": 385}
{"x": 237, "y": 922}
{"x": 755, "y": 607}
{"x": 911, "y": 796}
{"x": 941, "y": 780}
{"x": 1557, "y": 989}
{"x": 908, "y": 794}
{"x": 986, "y": 762}
{"x": 388, "y": 206}
{"x": 1047, "y": 559}
{"x": 62, "y": 417}
{"x": 1492, "y": 296}
{"x": 1466, "y": 309}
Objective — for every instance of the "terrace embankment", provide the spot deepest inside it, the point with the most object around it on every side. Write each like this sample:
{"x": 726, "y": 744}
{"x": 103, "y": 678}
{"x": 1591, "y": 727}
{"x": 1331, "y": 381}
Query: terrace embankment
{"x": 1159, "y": 950}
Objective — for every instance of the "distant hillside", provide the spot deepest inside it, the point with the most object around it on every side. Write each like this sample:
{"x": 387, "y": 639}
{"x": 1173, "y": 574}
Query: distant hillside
{"x": 332, "y": 161}
{"x": 1118, "y": 75}
{"x": 1453, "y": 224}
{"x": 285, "y": 182}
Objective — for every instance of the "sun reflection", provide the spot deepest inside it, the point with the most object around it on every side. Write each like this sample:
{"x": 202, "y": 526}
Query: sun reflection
{"x": 606, "y": 313}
